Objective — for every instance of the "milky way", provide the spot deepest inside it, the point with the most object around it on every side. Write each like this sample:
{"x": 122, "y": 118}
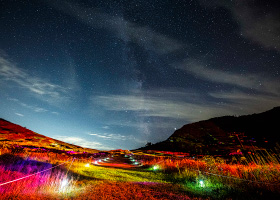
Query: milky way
{"x": 119, "y": 74}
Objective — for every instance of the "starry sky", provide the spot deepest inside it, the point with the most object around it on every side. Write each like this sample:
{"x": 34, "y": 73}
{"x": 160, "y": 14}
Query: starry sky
{"x": 118, "y": 74}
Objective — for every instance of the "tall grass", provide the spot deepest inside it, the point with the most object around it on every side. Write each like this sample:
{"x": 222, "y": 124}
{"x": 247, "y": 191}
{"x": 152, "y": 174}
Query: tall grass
{"x": 46, "y": 184}
{"x": 173, "y": 178}
{"x": 264, "y": 175}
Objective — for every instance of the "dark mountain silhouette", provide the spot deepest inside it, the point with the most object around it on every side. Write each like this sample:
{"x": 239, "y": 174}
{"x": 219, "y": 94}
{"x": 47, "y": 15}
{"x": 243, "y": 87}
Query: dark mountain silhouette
{"x": 225, "y": 135}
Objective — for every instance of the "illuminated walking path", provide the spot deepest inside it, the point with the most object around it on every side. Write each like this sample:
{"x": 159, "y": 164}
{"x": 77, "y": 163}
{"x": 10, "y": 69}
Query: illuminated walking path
{"x": 119, "y": 161}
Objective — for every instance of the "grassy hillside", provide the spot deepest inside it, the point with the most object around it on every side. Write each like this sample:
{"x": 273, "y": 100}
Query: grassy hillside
{"x": 13, "y": 135}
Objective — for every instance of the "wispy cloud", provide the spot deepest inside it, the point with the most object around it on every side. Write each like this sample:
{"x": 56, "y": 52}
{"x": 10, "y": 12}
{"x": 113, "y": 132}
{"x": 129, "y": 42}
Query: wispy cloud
{"x": 257, "y": 22}
{"x": 249, "y": 103}
{"x": 191, "y": 106}
{"x": 55, "y": 113}
{"x": 261, "y": 27}
{"x": 128, "y": 31}
{"x": 258, "y": 82}
{"x": 157, "y": 105}
{"x": 112, "y": 136}
{"x": 41, "y": 88}
{"x": 33, "y": 108}
{"x": 82, "y": 142}
{"x": 246, "y": 93}
{"x": 19, "y": 114}
{"x": 105, "y": 127}
{"x": 101, "y": 136}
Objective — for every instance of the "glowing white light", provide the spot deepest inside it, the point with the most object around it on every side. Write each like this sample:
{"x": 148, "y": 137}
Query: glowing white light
{"x": 63, "y": 183}
{"x": 136, "y": 163}
{"x": 155, "y": 167}
{"x": 95, "y": 162}
{"x": 201, "y": 183}
{"x": 87, "y": 165}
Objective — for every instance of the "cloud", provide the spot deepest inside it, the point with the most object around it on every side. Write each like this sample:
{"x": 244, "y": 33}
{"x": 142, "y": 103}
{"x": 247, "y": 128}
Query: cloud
{"x": 101, "y": 136}
{"x": 143, "y": 126}
{"x": 111, "y": 136}
{"x": 257, "y": 82}
{"x": 184, "y": 106}
{"x": 156, "y": 104}
{"x": 246, "y": 93}
{"x": 127, "y": 31}
{"x": 105, "y": 127}
{"x": 82, "y": 142}
{"x": 55, "y": 113}
{"x": 259, "y": 23}
{"x": 43, "y": 89}
{"x": 19, "y": 114}
{"x": 258, "y": 20}
{"x": 34, "y": 108}
{"x": 249, "y": 103}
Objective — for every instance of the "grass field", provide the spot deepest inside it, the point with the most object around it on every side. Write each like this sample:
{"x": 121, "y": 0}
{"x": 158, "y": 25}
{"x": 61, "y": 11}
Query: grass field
{"x": 68, "y": 176}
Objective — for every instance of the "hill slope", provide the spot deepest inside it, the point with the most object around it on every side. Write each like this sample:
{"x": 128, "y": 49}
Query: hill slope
{"x": 13, "y": 134}
{"x": 225, "y": 135}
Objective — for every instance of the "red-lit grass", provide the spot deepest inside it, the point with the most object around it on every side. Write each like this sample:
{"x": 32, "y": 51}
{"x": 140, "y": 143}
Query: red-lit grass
{"x": 265, "y": 175}
{"x": 134, "y": 190}
{"x": 47, "y": 183}
{"x": 108, "y": 183}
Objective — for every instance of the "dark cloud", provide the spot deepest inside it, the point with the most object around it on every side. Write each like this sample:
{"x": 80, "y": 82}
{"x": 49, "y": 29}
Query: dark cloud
{"x": 127, "y": 31}
{"x": 259, "y": 21}
{"x": 261, "y": 83}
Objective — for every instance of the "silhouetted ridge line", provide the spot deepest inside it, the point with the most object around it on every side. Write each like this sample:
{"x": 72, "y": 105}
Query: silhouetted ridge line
{"x": 225, "y": 135}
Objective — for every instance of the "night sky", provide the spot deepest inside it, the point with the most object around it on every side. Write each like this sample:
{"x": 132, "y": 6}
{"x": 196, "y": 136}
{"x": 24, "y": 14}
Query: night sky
{"x": 118, "y": 74}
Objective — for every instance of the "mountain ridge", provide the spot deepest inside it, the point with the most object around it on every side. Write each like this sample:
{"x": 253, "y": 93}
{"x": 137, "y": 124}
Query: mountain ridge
{"x": 225, "y": 135}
